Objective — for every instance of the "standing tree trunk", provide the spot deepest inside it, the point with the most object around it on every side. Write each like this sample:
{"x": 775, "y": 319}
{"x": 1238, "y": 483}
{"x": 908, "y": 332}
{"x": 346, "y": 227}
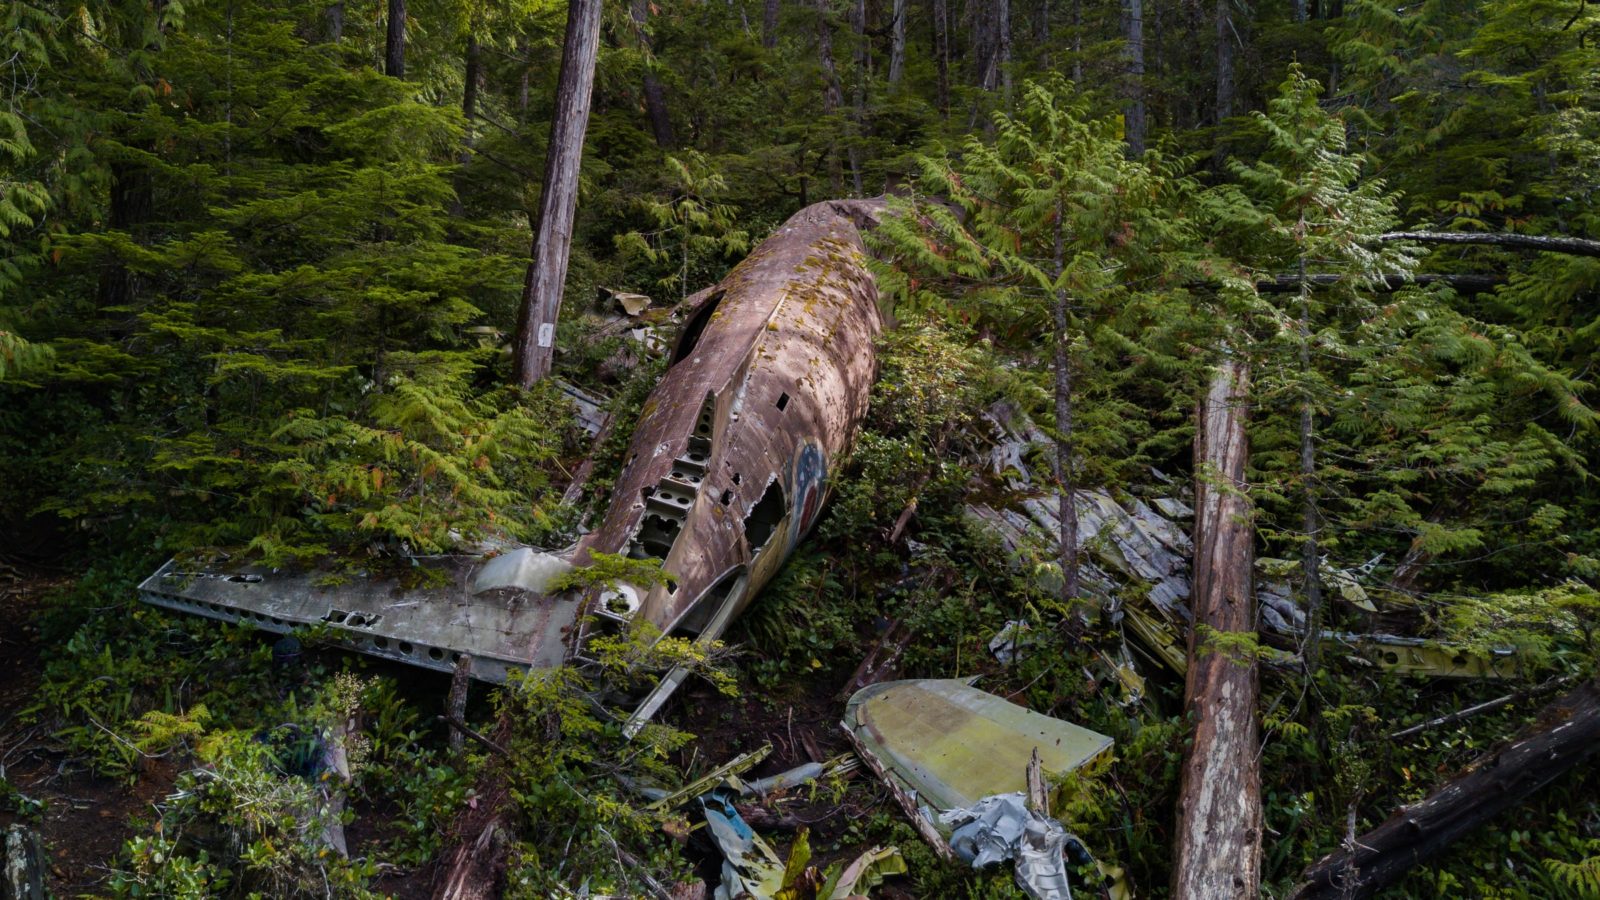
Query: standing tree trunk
{"x": 655, "y": 96}
{"x": 1065, "y": 466}
{"x": 524, "y": 76}
{"x": 547, "y": 271}
{"x": 858, "y": 24}
{"x": 472, "y": 83}
{"x": 832, "y": 93}
{"x": 1224, "y": 60}
{"x": 769, "y": 25}
{"x": 1219, "y": 807}
{"x": 1133, "y": 11}
{"x": 1077, "y": 42}
{"x": 941, "y": 53}
{"x": 897, "y": 42}
{"x": 1310, "y": 552}
{"x": 1002, "y": 45}
{"x": 334, "y": 16}
{"x": 394, "y": 50}
{"x": 472, "y": 80}
{"x": 1567, "y": 733}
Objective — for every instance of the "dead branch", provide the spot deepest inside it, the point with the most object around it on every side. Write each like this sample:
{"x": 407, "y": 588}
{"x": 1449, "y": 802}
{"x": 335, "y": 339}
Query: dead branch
{"x": 1565, "y": 733}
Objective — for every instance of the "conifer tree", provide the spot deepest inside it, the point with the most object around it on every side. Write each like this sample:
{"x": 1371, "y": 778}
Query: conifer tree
{"x": 1030, "y": 256}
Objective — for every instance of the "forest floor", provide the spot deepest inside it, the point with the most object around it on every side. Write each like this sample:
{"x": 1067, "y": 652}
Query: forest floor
{"x": 85, "y": 818}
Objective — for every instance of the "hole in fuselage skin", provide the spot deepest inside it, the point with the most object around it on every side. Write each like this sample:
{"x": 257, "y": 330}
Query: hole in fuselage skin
{"x": 727, "y": 497}
{"x": 764, "y": 517}
{"x": 783, "y": 402}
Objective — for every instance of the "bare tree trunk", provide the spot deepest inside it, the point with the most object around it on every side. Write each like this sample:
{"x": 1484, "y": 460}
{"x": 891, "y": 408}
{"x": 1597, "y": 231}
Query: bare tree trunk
{"x": 1567, "y": 733}
{"x": 1219, "y": 807}
{"x": 1570, "y": 245}
{"x": 1065, "y": 464}
{"x": 1224, "y": 60}
{"x": 547, "y": 272}
{"x": 1310, "y": 552}
{"x": 1002, "y": 48}
{"x": 897, "y": 42}
{"x": 858, "y": 24}
{"x": 941, "y": 52}
{"x": 1077, "y": 41}
{"x": 655, "y": 96}
{"x": 769, "y": 25}
{"x": 523, "y": 51}
{"x": 1133, "y": 11}
{"x": 1041, "y": 34}
{"x": 394, "y": 49}
{"x": 472, "y": 84}
{"x": 334, "y": 16}
{"x": 1300, "y": 11}
{"x": 832, "y": 93}
{"x": 472, "y": 80}
{"x": 474, "y": 865}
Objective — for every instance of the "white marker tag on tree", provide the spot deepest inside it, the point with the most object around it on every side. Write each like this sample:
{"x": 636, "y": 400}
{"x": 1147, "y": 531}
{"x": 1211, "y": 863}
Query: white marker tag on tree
{"x": 547, "y": 333}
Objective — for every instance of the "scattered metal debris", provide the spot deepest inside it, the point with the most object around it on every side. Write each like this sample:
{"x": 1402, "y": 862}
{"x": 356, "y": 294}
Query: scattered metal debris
{"x": 749, "y": 865}
{"x": 864, "y": 873}
{"x": 716, "y": 777}
{"x": 1001, "y": 827}
{"x": 964, "y": 764}
{"x": 950, "y": 744}
{"x": 1144, "y": 544}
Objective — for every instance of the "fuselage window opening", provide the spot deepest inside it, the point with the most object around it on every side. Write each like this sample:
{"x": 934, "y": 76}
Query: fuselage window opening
{"x": 764, "y": 517}
{"x": 695, "y": 327}
{"x": 783, "y": 402}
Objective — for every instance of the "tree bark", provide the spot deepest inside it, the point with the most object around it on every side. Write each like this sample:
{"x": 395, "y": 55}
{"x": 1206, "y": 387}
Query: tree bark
{"x": 472, "y": 80}
{"x": 1065, "y": 464}
{"x": 523, "y": 78}
{"x": 394, "y": 50}
{"x": 1566, "y": 733}
{"x": 1224, "y": 61}
{"x": 897, "y": 42}
{"x": 858, "y": 24}
{"x": 1569, "y": 245}
{"x": 1002, "y": 48}
{"x": 1133, "y": 18}
{"x": 547, "y": 271}
{"x": 334, "y": 17}
{"x": 941, "y": 53}
{"x": 1218, "y": 851}
{"x": 1310, "y": 552}
{"x": 1077, "y": 42}
{"x": 832, "y": 93}
{"x": 769, "y": 25}
{"x": 1288, "y": 284}
{"x": 655, "y": 96}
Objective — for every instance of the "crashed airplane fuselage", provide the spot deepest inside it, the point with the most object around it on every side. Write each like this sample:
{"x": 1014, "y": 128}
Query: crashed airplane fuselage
{"x": 730, "y": 459}
{"x": 728, "y": 468}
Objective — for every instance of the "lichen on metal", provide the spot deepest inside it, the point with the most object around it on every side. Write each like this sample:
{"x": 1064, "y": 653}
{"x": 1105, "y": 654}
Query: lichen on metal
{"x": 951, "y": 744}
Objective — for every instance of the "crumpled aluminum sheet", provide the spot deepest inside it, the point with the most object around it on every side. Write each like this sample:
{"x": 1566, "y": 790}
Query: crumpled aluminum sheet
{"x": 1001, "y": 827}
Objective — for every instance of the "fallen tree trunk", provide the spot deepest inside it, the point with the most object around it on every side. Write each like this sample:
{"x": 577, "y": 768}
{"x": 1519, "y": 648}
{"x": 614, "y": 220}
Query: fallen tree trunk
{"x": 473, "y": 865}
{"x": 1570, "y": 245}
{"x": 1218, "y": 851}
{"x": 1288, "y": 284}
{"x": 1566, "y": 733}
